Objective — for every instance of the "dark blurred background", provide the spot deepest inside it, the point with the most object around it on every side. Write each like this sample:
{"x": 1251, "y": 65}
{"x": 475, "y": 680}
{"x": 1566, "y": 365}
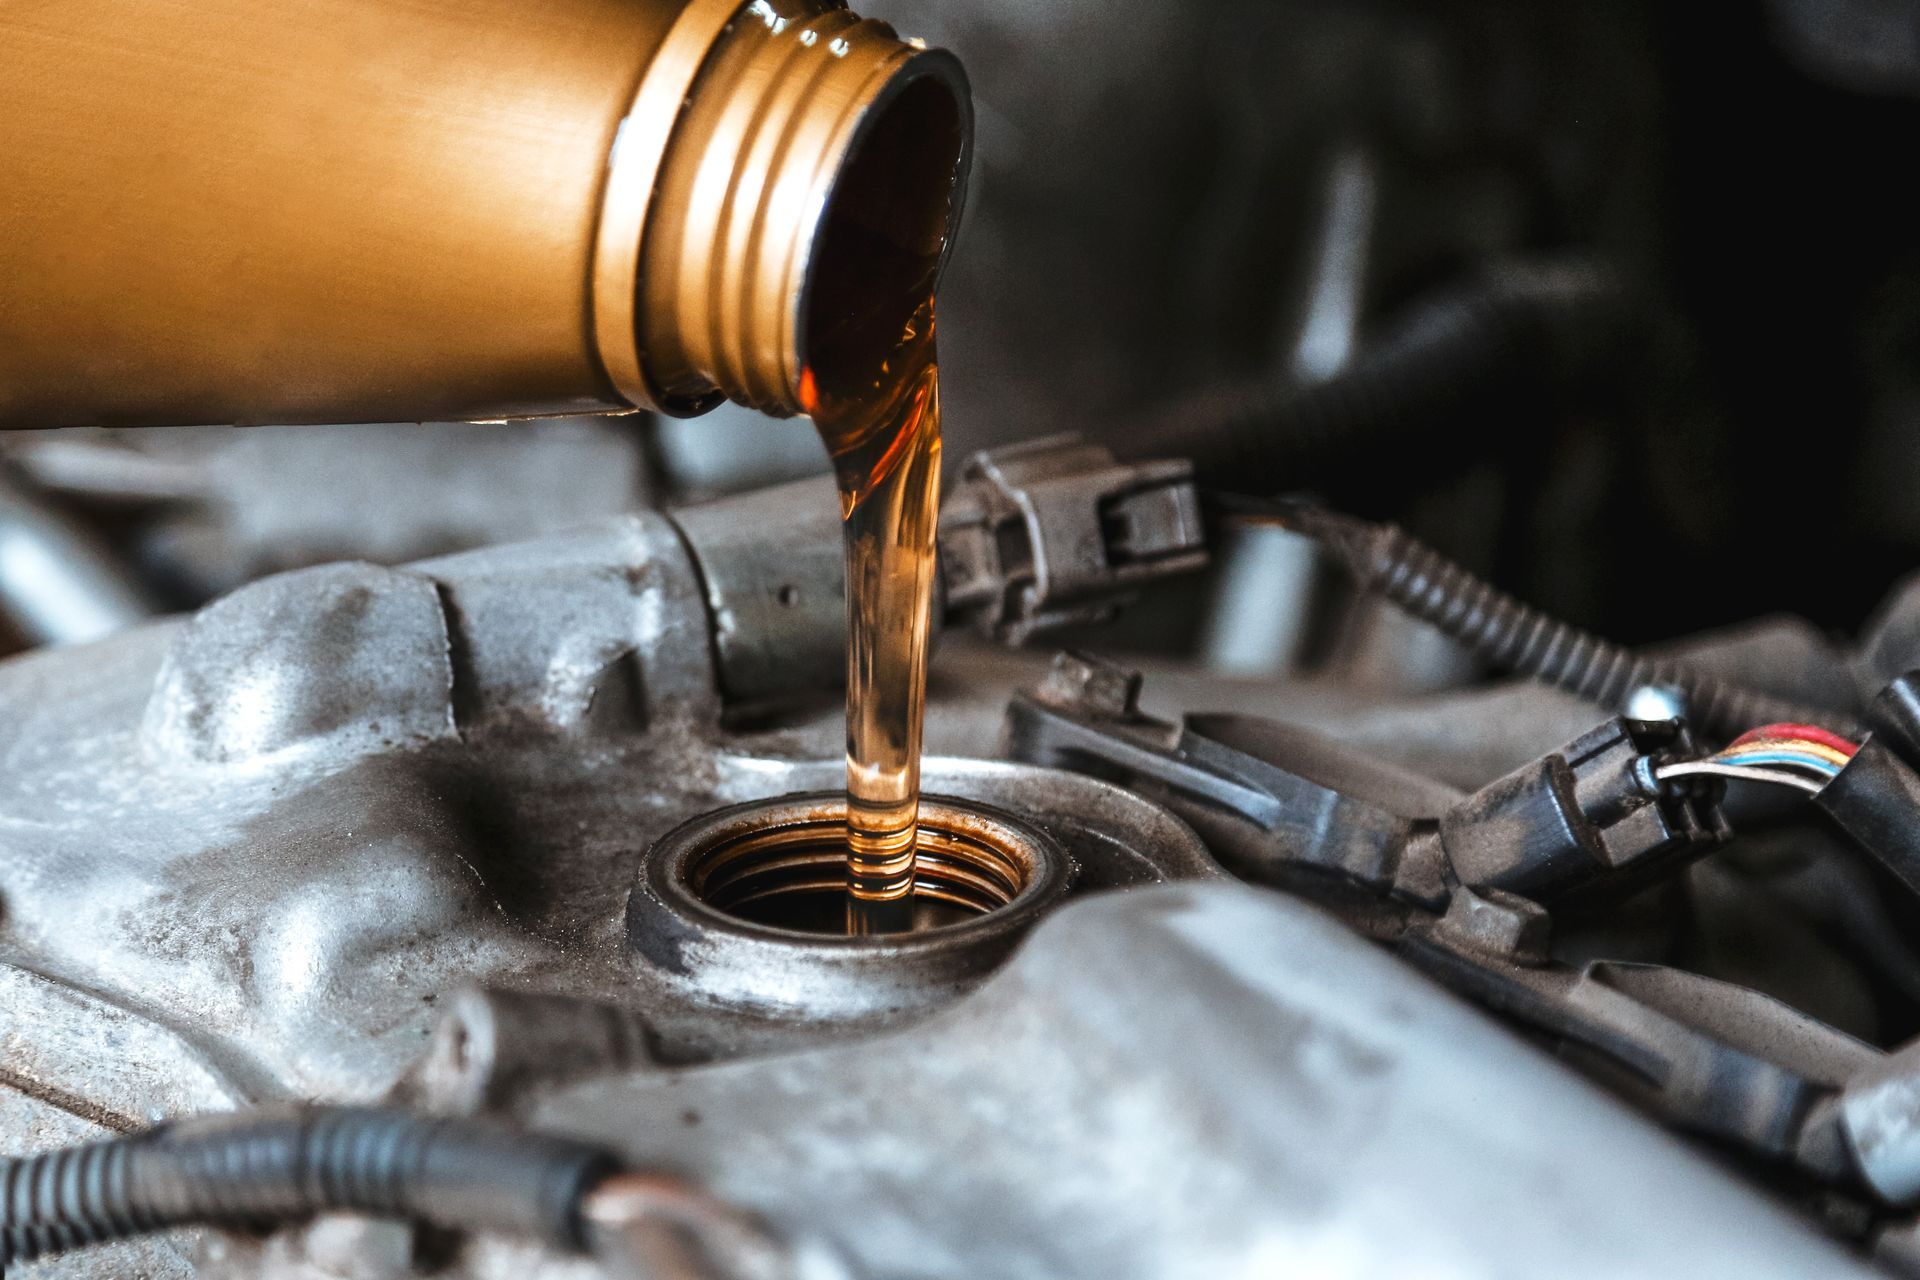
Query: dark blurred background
{"x": 1170, "y": 197}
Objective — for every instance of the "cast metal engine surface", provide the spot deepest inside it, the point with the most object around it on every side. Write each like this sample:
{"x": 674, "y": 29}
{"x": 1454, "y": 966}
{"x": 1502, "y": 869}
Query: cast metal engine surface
{"x": 346, "y": 793}
{"x": 356, "y": 833}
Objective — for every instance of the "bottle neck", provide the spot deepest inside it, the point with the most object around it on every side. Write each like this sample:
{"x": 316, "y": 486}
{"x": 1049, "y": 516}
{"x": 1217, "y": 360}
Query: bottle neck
{"x": 806, "y": 193}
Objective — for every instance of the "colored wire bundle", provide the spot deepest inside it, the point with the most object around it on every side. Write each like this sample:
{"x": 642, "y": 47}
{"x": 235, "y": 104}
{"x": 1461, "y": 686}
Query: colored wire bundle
{"x": 1803, "y": 756}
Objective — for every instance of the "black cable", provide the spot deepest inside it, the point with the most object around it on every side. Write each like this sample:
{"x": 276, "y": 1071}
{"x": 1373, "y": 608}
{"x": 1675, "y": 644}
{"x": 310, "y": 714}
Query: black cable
{"x": 1420, "y": 390}
{"x": 265, "y": 1170}
{"x": 1511, "y": 636}
{"x": 1874, "y": 799}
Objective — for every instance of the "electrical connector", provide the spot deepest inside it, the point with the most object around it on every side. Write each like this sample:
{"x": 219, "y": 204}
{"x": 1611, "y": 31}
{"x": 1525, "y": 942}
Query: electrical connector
{"x": 1055, "y": 532}
{"x": 1588, "y": 818}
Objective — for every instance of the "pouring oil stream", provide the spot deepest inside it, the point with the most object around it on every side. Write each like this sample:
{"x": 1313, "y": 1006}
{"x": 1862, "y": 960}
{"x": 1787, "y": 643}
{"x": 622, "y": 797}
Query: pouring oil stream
{"x": 885, "y": 441}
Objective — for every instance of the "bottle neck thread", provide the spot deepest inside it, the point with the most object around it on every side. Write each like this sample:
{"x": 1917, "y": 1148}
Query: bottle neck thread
{"x": 811, "y": 182}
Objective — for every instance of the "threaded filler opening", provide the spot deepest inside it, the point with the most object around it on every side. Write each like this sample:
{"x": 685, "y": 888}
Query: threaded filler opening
{"x": 784, "y": 864}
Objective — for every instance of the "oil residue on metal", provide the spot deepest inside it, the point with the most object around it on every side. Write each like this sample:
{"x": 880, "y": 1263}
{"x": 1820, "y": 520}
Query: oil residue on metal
{"x": 885, "y": 439}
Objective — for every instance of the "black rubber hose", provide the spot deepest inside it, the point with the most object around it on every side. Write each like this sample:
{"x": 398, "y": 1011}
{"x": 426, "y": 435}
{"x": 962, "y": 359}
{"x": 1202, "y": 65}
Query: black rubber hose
{"x": 1418, "y": 391}
{"x": 1511, "y": 636}
{"x": 264, "y": 1170}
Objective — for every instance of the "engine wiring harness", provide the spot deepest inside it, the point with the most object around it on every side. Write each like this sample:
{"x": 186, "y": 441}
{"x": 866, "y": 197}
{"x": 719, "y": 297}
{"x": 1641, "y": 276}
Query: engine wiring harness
{"x": 1509, "y": 635}
{"x": 273, "y": 1168}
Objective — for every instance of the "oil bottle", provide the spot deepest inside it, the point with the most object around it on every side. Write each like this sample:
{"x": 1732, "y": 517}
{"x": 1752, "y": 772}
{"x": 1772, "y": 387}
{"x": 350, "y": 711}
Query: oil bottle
{"x": 219, "y": 211}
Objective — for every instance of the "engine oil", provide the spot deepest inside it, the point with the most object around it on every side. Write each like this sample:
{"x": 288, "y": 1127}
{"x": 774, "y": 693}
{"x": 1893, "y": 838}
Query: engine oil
{"x": 870, "y": 382}
{"x": 885, "y": 441}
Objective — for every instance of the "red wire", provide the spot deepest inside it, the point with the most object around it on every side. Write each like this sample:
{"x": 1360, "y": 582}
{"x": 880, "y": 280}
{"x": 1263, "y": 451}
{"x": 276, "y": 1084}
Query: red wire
{"x": 1807, "y": 732}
